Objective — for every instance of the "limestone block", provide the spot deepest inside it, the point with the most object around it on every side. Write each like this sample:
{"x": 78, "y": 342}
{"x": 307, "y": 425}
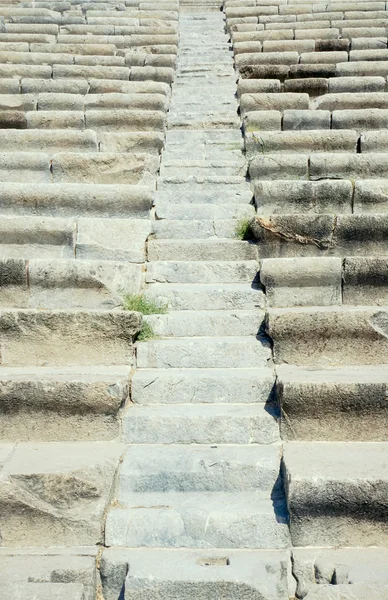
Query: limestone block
{"x": 24, "y": 167}
{"x": 81, "y": 283}
{"x": 193, "y": 577}
{"x": 125, "y": 101}
{"x": 362, "y": 68}
{"x": 311, "y": 119}
{"x": 370, "y": 43}
{"x": 356, "y": 84}
{"x": 342, "y": 404}
{"x": 54, "y": 86}
{"x": 266, "y": 58}
{"x": 302, "y": 281}
{"x": 43, "y": 591}
{"x": 58, "y": 141}
{"x": 299, "y": 46}
{"x": 365, "y": 281}
{"x": 317, "y": 34}
{"x": 85, "y": 72}
{"x": 29, "y": 71}
{"x": 312, "y": 567}
{"x": 313, "y": 70}
{"x": 331, "y": 336}
{"x": 336, "y": 493}
{"x": 105, "y": 168}
{"x": 17, "y": 102}
{"x": 148, "y": 142}
{"x": 33, "y": 513}
{"x": 125, "y": 120}
{"x": 60, "y": 101}
{"x": 120, "y": 239}
{"x": 348, "y": 166}
{"x": 313, "y": 86}
{"x": 323, "y": 57}
{"x": 366, "y": 55}
{"x": 288, "y": 196}
{"x": 371, "y": 196}
{"x": 273, "y": 101}
{"x": 254, "y": 86}
{"x": 105, "y": 86}
{"x": 356, "y": 591}
{"x": 261, "y": 120}
{"x": 209, "y": 424}
{"x": 67, "y": 338}
{"x": 179, "y": 386}
{"x": 162, "y": 74}
{"x": 268, "y": 71}
{"x": 268, "y": 166}
{"x": 75, "y": 49}
{"x": 67, "y": 566}
{"x": 103, "y": 61}
{"x": 302, "y": 141}
{"x": 53, "y": 119}
{"x": 13, "y": 283}
{"x": 9, "y": 86}
{"x": 200, "y": 250}
{"x": 351, "y": 101}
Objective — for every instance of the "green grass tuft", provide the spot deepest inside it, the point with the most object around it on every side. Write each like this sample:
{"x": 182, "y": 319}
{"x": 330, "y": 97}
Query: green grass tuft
{"x": 143, "y": 305}
{"x": 146, "y": 333}
{"x": 243, "y": 229}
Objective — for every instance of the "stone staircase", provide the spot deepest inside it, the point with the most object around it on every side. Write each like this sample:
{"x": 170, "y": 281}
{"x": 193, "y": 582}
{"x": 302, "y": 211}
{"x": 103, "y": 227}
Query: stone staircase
{"x": 240, "y": 450}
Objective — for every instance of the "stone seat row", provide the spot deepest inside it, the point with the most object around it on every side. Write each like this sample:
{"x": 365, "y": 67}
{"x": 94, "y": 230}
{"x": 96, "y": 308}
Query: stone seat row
{"x": 338, "y": 88}
{"x": 340, "y": 196}
{"x": 357, "y": 48}
{"x": 334, "y": 165}
{"x": 302, "y": 71}
{"x": 359, "y": 21}
{"x": 164, "y": 74}
{"x": 136, "y": 59}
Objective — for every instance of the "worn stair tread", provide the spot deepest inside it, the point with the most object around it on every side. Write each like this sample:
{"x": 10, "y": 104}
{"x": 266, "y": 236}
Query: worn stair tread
{"x": 160, "y": 468}
{"x": 153, "y": 386}
{"x": 197, "y": 573}
{"x": 237, "y": 271}
{"x": 203, "y": 352}
{"x": 201, "y": 424}
{"x": 224, "y": 321}
{"x": 199, "y": 520}
{"x": 201, "y": 296}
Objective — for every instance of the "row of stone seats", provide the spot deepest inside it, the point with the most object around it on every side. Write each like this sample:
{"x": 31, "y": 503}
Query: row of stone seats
{"x": 311, "y": 80}
{"x": 85, "y": 88}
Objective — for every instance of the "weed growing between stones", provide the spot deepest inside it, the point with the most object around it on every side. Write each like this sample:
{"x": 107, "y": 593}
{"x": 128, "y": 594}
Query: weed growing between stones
{"x": 146, "y": 333}
{"x": 243, "y": 229}
{"x": 141, "y": 304}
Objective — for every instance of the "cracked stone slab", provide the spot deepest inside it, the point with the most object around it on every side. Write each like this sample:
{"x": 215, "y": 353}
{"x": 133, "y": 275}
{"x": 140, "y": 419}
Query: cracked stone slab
{"x": 56, "y": 493}
{"x": 184, "y": 574}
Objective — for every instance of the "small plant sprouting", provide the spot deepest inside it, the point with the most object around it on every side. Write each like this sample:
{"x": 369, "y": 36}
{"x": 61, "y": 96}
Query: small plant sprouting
{"x": 146, "y": 333}
{"x": 143, "y": 305}
{"x": 243, "y": 229}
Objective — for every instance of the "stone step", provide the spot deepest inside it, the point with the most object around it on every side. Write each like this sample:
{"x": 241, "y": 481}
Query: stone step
{"x": 72, "y": 199}
{"x": 35, "y": 569}
{"x": 56, "y": 493}
{"x": 200, "y": 424}
{"x": 67, "y": 337}
{"x": 201, "y": 168}
{"x": 42, "y": 404}
{"x": 331, "y": 336}
{"x": 201, "y": 250}
{"x": 211, "y": 212}
{"x": 56, "y": 283}
{"x": 193, "y": 386}
{"x": 202, "y": 272}
{"x": 342, "y": 404}
{"x": 198, "y": 469}
{"x": 178, "y": 229}
{"x": 39, "y": 237}
{"x": 194, "y": 573}
{"x": 198, "y": 520}
{"x": 203, "y": 352}
{"x": 201, "y": 193}
{"x": 192, "y": 323}
{"x": 192, "y": 297}
{"x": 212, "y": 118}
{"x": 336, "y": 493}
{"x": 302, "y": 138}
